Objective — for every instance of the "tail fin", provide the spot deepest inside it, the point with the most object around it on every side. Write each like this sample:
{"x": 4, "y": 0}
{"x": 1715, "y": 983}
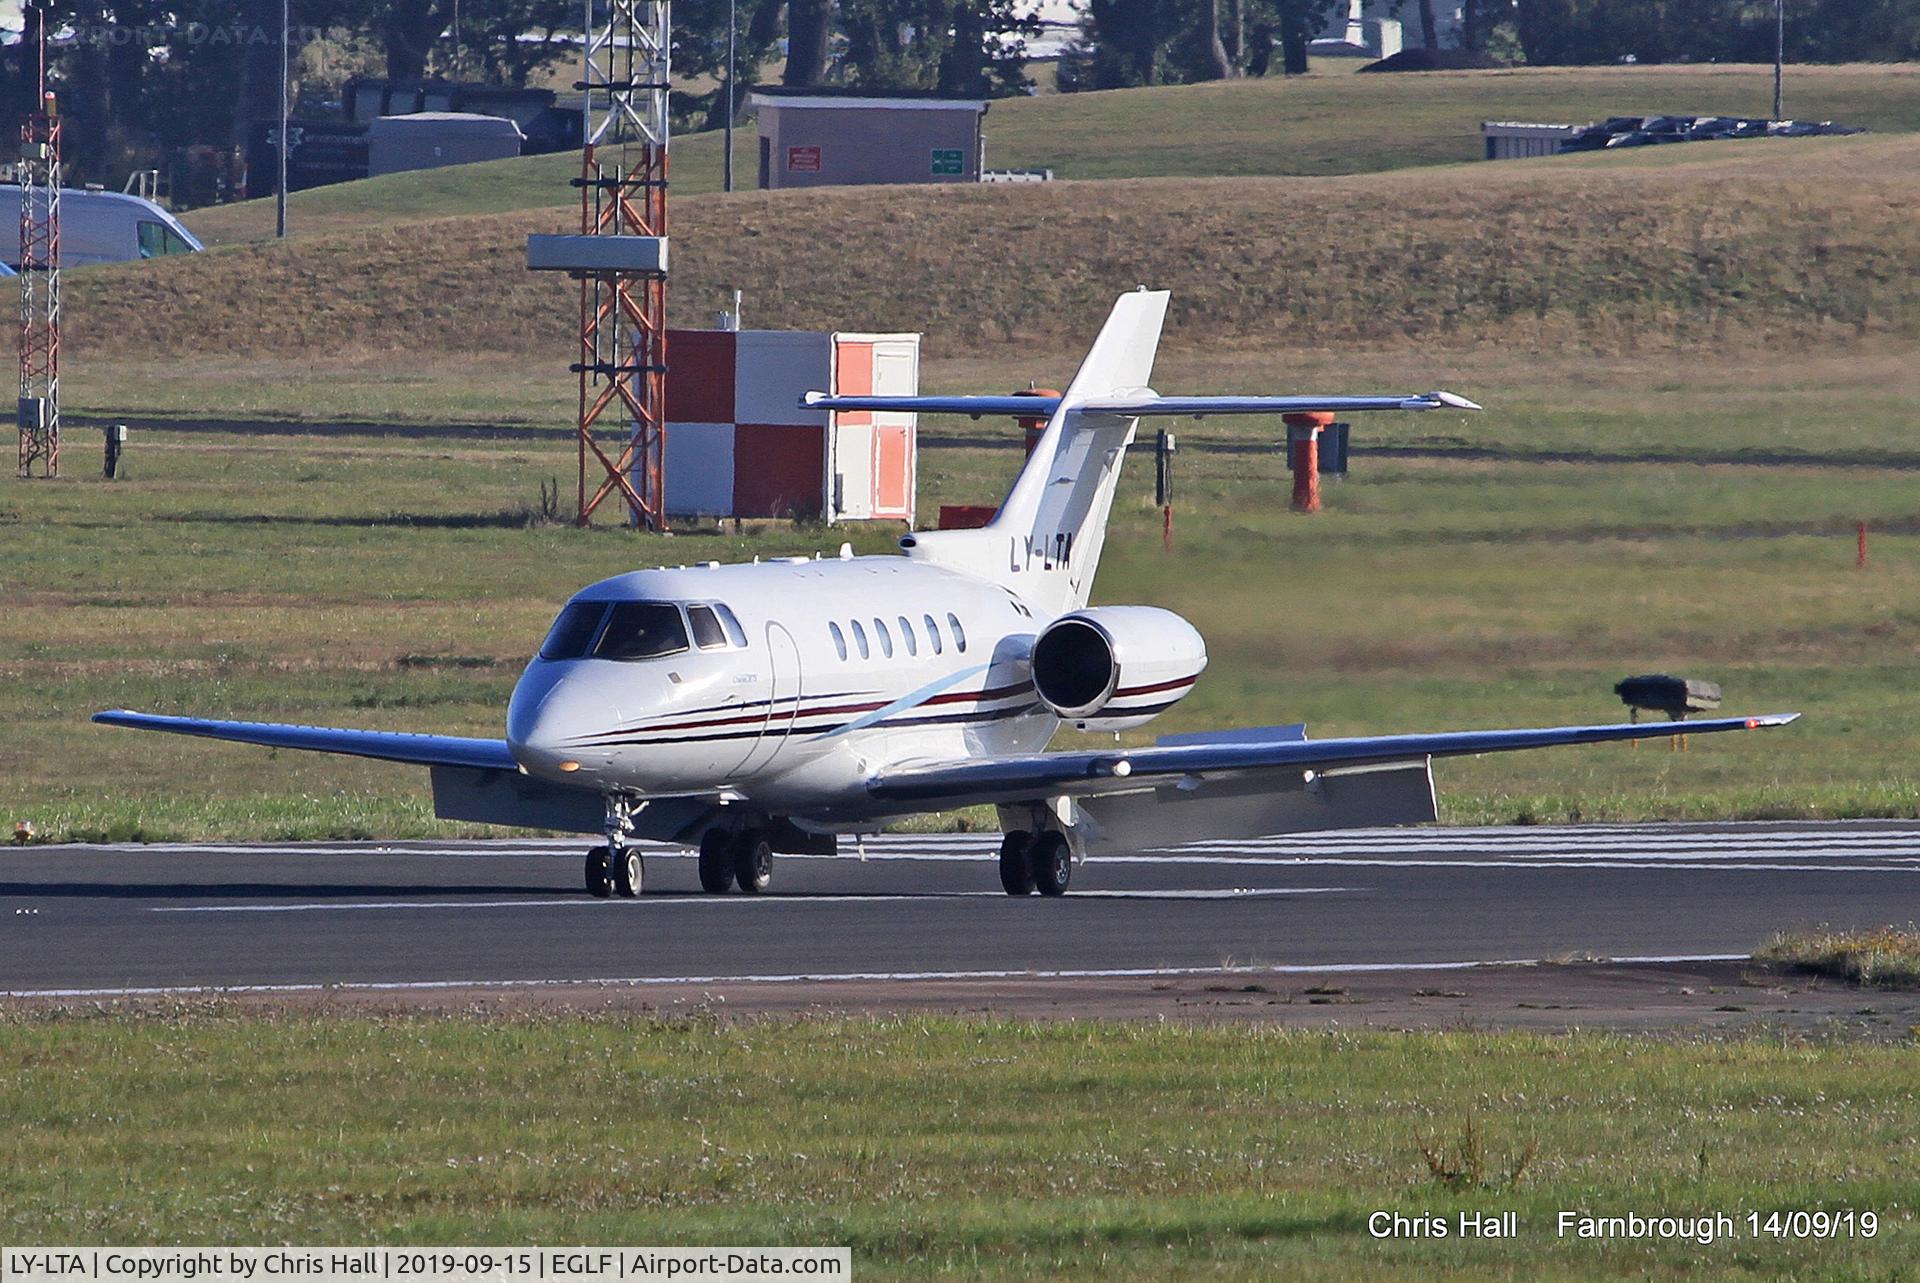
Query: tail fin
{"x": 1054, "y": 520}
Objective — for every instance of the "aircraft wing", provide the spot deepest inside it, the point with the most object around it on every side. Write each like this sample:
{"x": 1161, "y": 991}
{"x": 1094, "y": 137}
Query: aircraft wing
{"x": 387, "y": 746}
{"x": 1036, "y": 776}
{"x": 1145, "y": 403}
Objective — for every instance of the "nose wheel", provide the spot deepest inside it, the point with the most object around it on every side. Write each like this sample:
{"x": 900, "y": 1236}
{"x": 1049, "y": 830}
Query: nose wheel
{"x": 599, "y": 873}
{"x": 616, "y": 868}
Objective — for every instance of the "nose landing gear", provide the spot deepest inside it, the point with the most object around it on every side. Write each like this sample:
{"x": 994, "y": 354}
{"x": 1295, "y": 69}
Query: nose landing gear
{"x": 616, "y": 867}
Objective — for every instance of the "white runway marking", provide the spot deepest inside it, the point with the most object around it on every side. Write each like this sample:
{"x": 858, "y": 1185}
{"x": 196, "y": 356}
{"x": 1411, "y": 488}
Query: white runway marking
{"x": 1090, "y": 973}
{"x": 660, "y": 902}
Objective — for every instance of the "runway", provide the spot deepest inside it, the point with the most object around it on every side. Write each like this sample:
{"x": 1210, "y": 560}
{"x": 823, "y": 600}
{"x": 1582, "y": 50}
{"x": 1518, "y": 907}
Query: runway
{"x": 104, "y": 921}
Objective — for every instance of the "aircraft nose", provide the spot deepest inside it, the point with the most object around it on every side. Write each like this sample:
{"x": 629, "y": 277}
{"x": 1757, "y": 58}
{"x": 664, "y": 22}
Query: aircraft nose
{"x": 553, "y": 719}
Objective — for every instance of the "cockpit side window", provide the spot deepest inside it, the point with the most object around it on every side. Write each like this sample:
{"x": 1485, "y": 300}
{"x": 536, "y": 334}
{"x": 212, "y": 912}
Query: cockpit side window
{"x": 573, "y": 631}
{"x": 707, "y": 632}
{"x": 735, "y": 633}
{"x": 641, "y": 630}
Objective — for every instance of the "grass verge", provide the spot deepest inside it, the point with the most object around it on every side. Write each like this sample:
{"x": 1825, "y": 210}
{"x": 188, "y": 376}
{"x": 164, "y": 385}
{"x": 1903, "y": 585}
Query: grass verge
{"x": 1887, "y": 957}
{"x": 945, "y": 1147}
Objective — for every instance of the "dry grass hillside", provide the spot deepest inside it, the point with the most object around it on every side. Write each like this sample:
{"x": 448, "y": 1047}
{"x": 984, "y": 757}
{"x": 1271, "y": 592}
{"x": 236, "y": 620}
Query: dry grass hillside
{"x": 1783, "y": 238}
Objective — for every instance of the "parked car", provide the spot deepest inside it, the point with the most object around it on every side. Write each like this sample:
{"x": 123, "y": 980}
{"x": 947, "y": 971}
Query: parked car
{"x": 100, "y": 227}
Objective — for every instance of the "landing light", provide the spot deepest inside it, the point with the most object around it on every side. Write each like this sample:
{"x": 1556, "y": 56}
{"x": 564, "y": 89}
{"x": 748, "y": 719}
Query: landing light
{"x": 569, "y": 767}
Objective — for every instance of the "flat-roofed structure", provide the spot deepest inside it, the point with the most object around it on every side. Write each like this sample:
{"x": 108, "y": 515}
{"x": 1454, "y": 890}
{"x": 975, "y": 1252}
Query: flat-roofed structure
{"x": 813, "y": 139}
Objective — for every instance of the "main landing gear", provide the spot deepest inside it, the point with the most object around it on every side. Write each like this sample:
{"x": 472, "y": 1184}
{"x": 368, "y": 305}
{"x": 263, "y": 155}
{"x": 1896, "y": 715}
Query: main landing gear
{"x": 616, "y": 868}
{"x": 1032, "y": 862}
{"x": 743, "y": 859}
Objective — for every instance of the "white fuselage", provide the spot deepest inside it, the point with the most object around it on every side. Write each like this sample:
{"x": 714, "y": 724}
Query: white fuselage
{"x": 848, "y": 665}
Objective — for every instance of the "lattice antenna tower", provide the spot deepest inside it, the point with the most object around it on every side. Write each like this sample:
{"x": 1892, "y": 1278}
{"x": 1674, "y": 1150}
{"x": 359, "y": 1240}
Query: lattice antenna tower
{"x": 623, "y": 312}
{"x": 39, "y": 170}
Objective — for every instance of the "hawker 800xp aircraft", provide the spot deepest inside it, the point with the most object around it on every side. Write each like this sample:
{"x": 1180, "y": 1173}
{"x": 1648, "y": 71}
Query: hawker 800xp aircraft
{"x": 752, "y": 709}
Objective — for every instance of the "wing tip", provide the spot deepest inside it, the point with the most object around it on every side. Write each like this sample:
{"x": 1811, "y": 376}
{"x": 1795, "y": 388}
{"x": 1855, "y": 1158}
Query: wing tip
{"x": 1455, "y": 401}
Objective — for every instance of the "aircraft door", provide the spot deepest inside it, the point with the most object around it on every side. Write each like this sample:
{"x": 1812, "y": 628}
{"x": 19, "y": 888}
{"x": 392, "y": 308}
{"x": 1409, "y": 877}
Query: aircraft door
{"x": 783, "y": 695}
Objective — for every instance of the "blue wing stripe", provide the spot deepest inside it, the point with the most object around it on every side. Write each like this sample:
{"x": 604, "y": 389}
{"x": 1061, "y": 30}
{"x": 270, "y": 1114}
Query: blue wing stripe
{"x": 387, "y": 746}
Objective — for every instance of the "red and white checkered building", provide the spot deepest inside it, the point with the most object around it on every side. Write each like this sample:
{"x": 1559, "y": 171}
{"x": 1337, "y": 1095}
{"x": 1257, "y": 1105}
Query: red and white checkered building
{"x": 739, "y": 445}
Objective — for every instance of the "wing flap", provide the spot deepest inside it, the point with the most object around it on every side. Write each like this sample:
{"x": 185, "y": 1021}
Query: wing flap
{"x": 386, "y": 746}
{"x": 1035, "y": 776}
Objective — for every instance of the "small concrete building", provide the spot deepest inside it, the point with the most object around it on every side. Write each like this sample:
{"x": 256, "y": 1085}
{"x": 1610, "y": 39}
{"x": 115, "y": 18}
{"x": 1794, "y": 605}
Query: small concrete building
{"x": 813, "y": 139}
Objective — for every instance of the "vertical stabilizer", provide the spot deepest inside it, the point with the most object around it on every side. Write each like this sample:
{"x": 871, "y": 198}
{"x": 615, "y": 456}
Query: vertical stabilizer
{"x": 1054, "y": 521}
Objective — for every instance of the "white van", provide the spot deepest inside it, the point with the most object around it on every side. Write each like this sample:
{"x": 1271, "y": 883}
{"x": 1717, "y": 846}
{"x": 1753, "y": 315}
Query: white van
{"x": 99, "y": 227}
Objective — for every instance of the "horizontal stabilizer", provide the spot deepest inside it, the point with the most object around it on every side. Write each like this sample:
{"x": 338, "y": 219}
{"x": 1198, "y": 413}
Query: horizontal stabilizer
{"x": 1143, "y": 404}
{"x": 387, "y": 746}
{"x": 1023, "y": 407}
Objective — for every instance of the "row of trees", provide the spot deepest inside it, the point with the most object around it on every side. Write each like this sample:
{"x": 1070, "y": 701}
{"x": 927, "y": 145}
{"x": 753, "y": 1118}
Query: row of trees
{"x": 141, "y": 79}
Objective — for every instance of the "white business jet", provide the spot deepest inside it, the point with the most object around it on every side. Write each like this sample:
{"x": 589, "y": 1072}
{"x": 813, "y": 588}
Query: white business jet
{"x": 752, "y": 709}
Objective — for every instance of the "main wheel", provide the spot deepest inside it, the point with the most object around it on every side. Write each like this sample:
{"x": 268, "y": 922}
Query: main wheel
{"x": 1052, "y": 864}
{"x": 752, "y": 861}
{"x": 627, "y": 872}
{"x": 599, "y": 876}
{"x": 716, "y": 861}
{"x": 1016, "y": 872}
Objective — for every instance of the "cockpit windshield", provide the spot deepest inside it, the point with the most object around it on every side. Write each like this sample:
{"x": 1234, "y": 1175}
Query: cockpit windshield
{"x": 573, "y": 631}
{"x": 641, "y": 630}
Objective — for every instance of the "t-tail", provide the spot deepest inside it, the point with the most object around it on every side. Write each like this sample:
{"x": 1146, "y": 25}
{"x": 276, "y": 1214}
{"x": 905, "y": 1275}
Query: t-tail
{"x": 1044, "y": 542}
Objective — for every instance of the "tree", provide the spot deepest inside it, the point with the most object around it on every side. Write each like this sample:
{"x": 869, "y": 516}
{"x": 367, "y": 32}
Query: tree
{"x": 809, "y": 31}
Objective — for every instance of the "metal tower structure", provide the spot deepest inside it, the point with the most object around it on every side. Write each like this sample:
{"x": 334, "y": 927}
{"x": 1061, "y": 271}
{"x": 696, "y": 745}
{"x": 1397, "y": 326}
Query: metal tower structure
{"x": 623, "y": 310}
{"x": 39, "y": 169}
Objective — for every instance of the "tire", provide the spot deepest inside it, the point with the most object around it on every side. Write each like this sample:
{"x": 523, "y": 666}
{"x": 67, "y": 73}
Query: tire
{"x": 752, "y": 862}
{"x": 1052, "y": 864}
{"x": 1016, "y": 871}
{"x": 628, "y": 873}
{"x": 716, "y": 862}
{"x": 599, "y": 877}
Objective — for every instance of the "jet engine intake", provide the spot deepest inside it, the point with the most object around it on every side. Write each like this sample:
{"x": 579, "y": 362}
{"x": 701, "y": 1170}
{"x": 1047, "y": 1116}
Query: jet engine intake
{"x": 1108, "y": 668}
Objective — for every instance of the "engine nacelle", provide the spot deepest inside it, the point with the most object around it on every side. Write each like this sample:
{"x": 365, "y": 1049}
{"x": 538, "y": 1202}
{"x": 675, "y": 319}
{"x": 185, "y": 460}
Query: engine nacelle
{"x": 1111, "y": 667}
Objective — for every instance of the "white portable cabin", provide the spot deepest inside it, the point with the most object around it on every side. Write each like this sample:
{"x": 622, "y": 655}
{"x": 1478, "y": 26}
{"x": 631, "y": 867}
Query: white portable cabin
{"x": 100, "y": 227}
{"x": 740, "y": 445}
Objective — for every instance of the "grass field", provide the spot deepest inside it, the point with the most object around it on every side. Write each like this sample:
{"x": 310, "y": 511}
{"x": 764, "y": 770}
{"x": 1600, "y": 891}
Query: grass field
{"x": 1699, "y": 363}
{"x": 397, "y": 583}
{"x": 1327, "y": 123}
{"x": 948, "y": 1148}
{"x": 1797, "y": 241}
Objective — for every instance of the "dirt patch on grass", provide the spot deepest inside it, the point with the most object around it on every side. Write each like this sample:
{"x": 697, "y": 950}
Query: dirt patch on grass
{"x": 1719, "y": 999}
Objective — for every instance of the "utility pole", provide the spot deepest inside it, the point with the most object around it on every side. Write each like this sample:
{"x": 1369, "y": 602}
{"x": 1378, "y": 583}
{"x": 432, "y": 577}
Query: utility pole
{"x": 280, "y": 188}
{"x": 726, "y": 171}
{"x": 1779, "y": 56}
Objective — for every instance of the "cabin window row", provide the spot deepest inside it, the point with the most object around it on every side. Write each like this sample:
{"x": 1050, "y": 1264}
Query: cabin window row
{"x": 882, "y": 637}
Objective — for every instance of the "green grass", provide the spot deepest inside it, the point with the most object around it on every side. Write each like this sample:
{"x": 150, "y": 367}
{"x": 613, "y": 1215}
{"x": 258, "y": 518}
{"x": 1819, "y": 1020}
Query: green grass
{"x": 1887, "y": 957}
{"x": 942, "y": 1147}
{"x": 1323, "y": 124}
{"x": 398, "y": 584}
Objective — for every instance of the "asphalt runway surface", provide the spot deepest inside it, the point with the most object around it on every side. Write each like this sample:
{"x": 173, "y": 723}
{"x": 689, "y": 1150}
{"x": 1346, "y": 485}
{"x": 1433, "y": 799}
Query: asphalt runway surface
{"x": 108, "y": 921}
